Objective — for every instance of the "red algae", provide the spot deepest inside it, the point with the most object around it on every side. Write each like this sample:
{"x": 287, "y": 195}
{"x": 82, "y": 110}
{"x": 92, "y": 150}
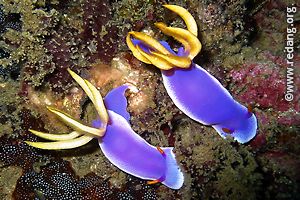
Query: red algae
{"x": 100, "y": 37}
{"x": 263, "y": 84}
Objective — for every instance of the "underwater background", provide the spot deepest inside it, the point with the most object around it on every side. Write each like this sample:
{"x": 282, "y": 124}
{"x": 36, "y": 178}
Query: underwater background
{"x": 243, "y": 46}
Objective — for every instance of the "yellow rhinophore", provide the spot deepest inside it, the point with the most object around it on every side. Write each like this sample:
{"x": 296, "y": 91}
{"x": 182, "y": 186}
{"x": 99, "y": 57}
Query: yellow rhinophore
{"x": 186, "y": 16}
{"x": 82, "y": 134}
{"x": 159, "y": 55}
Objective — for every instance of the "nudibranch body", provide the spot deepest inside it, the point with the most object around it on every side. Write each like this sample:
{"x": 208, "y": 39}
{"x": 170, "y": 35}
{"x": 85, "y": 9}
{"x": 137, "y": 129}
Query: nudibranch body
{"x": 130, "y": 152}
{"x": 193, "y": 90}
{"x": 119, "y": 143}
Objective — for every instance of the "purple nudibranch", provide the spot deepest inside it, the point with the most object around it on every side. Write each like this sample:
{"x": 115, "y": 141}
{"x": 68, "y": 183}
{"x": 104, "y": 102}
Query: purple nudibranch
{"x": 119, "y": 143}
{"x": 193, "y": 90}
{"x": 129, "y": 151}
{"x": 202, "y": 97}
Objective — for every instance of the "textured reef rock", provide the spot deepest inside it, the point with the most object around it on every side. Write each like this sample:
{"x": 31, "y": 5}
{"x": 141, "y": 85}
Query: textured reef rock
{"x": 242, "y": 48}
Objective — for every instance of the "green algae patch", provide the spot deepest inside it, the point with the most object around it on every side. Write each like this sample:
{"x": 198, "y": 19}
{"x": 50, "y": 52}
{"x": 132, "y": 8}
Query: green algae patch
{"x": 10, "y": 120}
{"x": 8, "y": 180}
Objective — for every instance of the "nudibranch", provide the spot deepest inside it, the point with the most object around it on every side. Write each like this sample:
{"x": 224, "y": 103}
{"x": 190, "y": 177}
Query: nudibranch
{"x": 192, "y": 89}
{"x": 118, "y": 142}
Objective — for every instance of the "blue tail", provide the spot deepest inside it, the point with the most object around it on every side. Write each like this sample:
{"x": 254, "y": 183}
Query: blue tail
{"x": 173, "y": 177}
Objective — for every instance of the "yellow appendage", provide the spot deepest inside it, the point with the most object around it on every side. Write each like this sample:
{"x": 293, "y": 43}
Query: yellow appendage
{"x": 83, "y": 133}
{"x": 158, "y": 55}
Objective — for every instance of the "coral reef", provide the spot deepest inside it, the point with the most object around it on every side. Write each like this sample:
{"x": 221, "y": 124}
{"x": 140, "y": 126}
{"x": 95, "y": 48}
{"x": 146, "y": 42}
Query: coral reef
{"x": 242, "y": 48}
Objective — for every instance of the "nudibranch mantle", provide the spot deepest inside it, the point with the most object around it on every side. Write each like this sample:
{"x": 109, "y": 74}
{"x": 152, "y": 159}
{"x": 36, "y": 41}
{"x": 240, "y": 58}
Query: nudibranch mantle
{"x": 192, "y": 89}
{"x": 119, "y": 143}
